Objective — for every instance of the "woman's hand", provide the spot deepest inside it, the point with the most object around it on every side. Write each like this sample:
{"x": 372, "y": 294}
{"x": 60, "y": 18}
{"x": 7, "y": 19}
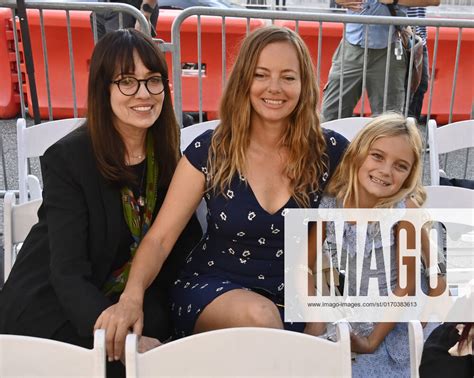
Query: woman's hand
{"x": 118, "y": 320}
{"x": 361, "y": 344}
{"x": 147, "y": 343}
{"x": 315, "y": 328}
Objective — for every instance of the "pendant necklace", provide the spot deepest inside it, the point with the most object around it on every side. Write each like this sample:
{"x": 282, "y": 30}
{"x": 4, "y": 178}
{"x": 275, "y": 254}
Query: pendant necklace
{"x": 141, "y": 198}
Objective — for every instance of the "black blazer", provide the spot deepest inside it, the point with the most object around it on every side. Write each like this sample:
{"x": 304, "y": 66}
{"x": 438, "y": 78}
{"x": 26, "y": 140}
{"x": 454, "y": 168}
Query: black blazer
{"x": 69, "y": 253}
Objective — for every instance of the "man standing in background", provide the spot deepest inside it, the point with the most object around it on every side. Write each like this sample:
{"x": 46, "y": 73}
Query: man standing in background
{"x": 109, "y": 20}
{"x": 352, "y": 68}
{"x": 416, "y": 102}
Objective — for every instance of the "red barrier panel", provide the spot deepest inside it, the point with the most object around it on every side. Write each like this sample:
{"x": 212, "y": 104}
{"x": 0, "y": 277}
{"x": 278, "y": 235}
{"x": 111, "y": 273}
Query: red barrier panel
{"x": 58, "y": 61}
{"x": 444, "y": 75}
{"x": 9, "y": 93}
{"x": 211, "y": 56}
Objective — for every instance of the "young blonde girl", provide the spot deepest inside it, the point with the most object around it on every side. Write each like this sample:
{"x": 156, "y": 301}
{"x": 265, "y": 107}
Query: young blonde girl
{"x": 380, "y": 169}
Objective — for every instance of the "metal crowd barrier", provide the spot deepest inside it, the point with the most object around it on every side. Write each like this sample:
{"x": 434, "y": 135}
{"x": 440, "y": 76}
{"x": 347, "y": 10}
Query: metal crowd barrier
{"x": 300, "y": 18}
{"x": 67, "y": 7}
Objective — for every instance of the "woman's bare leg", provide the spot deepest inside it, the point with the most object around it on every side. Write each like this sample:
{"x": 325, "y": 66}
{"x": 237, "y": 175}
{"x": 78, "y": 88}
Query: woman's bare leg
{"x": 239, "y": 308}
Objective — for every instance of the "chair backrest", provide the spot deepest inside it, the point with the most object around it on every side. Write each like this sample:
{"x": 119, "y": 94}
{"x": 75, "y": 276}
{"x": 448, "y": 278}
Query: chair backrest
{"x": 452, "y": 137}
{"x": 188, "y": 134}
{"x": 347, "y": 127}
{"x": 243, "y": 352}
{"x": 448, "y": 197}
{"x": 24, "y": 356}
{"x": 415, "y": 339}
{"x": 460, "y": 235}
{"x": 33, "y": 141}
{"x": 17, "y": 221}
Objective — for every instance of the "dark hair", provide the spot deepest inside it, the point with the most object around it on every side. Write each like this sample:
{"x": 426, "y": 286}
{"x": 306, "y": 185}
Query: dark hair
{"x": 463, "y": 338}
{"x": 114, "y": 50}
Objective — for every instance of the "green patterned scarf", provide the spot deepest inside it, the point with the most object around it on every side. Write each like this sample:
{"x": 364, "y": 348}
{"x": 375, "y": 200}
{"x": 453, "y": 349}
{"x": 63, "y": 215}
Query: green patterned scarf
{"x": 138, "y": 224}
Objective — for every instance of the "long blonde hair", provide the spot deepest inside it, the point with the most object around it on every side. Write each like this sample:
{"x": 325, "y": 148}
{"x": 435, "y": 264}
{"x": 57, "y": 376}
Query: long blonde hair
{"x": 303, "y": 138}
{"x": 344, "y": 183}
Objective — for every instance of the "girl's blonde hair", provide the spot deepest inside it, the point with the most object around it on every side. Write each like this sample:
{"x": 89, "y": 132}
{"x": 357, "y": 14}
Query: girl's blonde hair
{"x": 303, "y": 138}
{"x": 344, "y": 183}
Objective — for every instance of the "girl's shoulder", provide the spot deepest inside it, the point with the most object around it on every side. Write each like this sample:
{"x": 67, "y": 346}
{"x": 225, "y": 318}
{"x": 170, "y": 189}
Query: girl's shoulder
{"x": 328, "y": 202}
{"x": 406, "y": 203}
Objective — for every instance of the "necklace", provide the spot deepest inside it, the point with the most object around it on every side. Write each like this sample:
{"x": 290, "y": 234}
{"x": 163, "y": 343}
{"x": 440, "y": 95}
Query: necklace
{"x": 141, "y": 198}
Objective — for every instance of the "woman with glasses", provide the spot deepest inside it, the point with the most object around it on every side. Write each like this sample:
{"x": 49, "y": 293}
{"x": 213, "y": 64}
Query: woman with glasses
{"x": 103, "y": 186}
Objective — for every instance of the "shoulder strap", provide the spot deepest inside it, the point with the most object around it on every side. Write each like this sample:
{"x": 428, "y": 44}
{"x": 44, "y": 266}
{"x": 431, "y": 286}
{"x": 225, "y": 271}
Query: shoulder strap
{"x": 393, "y": 12}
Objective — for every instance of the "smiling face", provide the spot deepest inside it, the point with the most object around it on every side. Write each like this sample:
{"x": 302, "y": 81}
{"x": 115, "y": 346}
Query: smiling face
{"x": 135, "y": 113}
{"x": 276, "y": 86}
{"x": 385, "y": 169}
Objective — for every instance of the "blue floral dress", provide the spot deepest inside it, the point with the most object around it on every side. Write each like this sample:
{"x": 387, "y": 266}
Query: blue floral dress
{"x": 243, "y": 247}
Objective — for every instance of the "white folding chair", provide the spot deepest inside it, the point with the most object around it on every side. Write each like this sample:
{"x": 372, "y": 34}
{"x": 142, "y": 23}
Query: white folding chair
{"x": 415, "y": 339}
{"x": 188, "y": 134}
{"x": 17, "y": 221}
{"x": 347, "y": 127}
{"x": 24, "y": 356}
{"x": 243, "y": 352}
{"x": 460, "y": 236}
{"x": 32, "y": 142}
{"x": 452, "y": 137}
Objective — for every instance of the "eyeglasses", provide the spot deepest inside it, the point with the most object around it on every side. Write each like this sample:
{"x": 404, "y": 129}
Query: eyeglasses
{"x": 130, "y": 86}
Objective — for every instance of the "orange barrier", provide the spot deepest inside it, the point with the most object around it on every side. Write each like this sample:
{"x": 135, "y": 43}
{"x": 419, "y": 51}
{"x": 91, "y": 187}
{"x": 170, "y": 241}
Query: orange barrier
{"x": 211, "y": 56}
{"x": 9, "y": 93}
{"x": 58, "y": 61}
{"x": 444, "y": 75}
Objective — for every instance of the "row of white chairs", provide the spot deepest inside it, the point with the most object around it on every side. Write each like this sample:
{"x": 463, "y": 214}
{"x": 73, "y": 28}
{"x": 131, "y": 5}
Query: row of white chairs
{"x": 227, "y": 352}
{"x": 203, "y": 351}
{"x": 34, "y": 141}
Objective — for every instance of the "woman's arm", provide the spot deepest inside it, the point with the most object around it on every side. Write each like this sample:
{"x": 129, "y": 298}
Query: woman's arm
{"x": 313, "y": 328}
{"x": 183, "y": 197}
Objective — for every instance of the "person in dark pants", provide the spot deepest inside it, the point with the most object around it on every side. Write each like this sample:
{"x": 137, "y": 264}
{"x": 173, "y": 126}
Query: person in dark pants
{"x": 416, "y": 101}
{"x": 103, "y": 186}
{"x": 109, "y": 20}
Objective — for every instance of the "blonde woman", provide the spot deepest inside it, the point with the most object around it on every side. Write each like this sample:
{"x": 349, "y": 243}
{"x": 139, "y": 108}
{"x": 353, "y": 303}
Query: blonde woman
{"x": 268, "y": 153}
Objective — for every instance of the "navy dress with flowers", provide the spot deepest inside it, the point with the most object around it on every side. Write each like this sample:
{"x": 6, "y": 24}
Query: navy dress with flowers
{"x": 243, "y": 246}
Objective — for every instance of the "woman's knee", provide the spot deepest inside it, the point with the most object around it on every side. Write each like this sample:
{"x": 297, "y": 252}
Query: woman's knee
{"x": 239, "y": 308}
{"x": 262, "y": 313}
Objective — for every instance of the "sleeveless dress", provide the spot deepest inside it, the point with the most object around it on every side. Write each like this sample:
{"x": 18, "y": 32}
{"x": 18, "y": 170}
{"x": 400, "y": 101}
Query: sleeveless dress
{"x": 243, "y": 247}
{"x": 392, "y": 357}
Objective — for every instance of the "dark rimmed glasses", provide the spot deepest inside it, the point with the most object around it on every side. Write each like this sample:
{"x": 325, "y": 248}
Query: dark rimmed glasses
{"x": 129, "y": 86}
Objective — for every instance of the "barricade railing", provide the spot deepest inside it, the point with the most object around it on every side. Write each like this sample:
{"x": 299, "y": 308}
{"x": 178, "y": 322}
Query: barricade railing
{"x": 56, "y": 15}
{"x": 37, "y": 21}
{"x": 318, "y": 23}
